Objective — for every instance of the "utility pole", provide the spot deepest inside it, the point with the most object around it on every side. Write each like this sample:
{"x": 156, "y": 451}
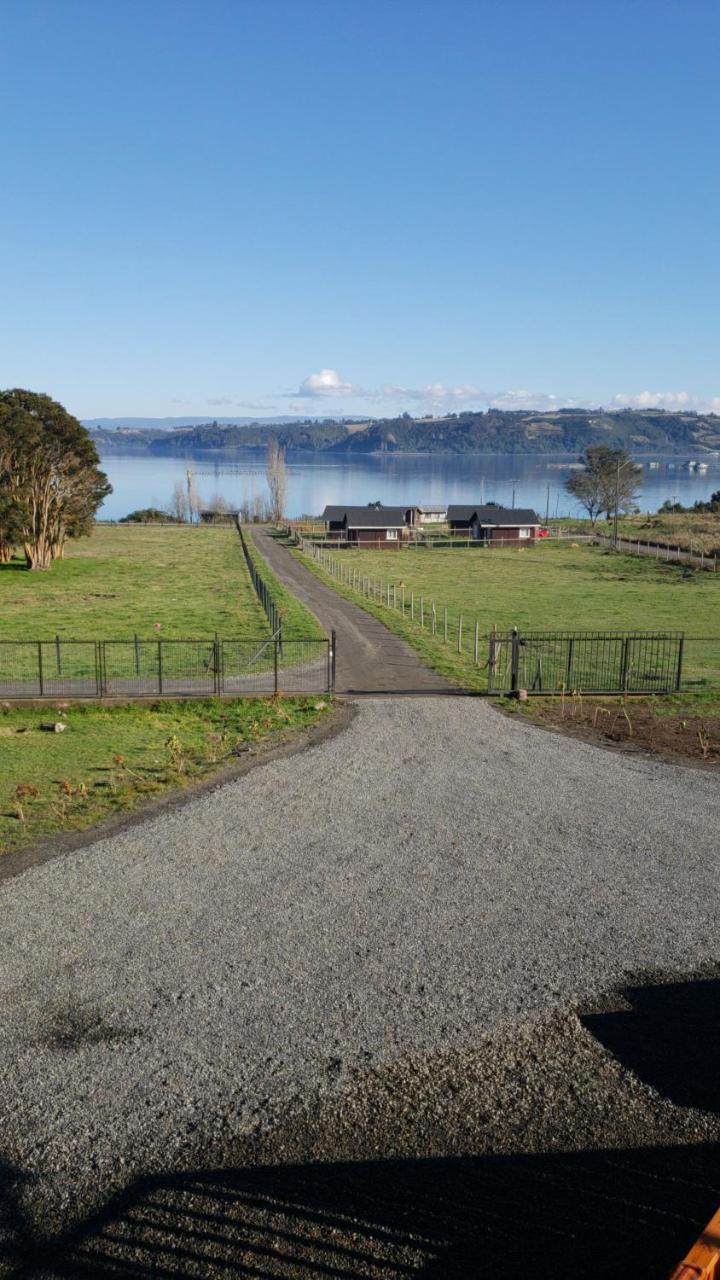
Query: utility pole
{"x": 547, "y": 504}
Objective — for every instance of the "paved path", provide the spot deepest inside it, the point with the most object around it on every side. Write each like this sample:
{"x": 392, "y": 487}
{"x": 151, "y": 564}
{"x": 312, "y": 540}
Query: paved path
{"x": 434, "y": 875}
{"x": 370, "y": 658}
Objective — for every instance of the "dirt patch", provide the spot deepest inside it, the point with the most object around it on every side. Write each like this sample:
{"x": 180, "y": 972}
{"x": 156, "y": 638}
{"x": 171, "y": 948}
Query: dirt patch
{"x": 685, "y": 737}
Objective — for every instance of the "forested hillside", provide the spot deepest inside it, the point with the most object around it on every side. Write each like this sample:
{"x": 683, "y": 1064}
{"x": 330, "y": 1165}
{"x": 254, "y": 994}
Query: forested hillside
{"x": 562, "y": 431}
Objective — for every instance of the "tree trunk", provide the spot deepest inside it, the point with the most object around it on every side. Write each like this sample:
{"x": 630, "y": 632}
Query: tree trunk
{"x": 38, "y": 555}
{"x": 6, "y": 550}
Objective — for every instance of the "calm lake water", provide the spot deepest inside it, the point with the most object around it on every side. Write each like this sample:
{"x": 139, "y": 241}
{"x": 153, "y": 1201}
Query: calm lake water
{"x": 535, "y": 480}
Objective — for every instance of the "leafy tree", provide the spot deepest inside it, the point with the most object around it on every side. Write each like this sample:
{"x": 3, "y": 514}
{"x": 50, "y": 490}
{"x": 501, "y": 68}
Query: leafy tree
{"x": 149, "y": 515}
{"x": 608, "y": 482}
{"x": 10, "y": 525}
{"x": 50, "y": 479}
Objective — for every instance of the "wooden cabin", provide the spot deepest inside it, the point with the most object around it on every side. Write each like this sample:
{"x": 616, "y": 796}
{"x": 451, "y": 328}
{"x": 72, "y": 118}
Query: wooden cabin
{"x": 483, "y": 523}
{"x": 376, "y": 527}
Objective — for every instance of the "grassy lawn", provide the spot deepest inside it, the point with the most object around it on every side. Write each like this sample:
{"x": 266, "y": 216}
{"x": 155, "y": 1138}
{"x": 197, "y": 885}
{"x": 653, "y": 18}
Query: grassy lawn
{"x": 109, "y": 759}
{"x": 123, "y": 581}
{"x": 551, "y": 586}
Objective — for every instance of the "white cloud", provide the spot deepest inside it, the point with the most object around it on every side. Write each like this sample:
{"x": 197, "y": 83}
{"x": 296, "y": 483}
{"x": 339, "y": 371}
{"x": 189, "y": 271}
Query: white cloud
{"x": 221, "y": 400}
{"x": 674, "y": 401}
{"x": 327, "y": 384}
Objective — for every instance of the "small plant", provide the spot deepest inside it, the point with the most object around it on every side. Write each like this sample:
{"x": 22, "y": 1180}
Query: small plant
{"x": 23, "y": 793}
{"x": 177, "y": 754}
{"x": 704, "y": 740}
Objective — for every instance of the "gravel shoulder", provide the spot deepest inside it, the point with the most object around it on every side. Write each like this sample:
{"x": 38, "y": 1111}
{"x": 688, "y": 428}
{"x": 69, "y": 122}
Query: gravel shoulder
{"x": 437, "y": 884}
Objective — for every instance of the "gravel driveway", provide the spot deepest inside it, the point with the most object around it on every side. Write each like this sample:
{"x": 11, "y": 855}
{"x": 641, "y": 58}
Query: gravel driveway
{"x": 434, "y": 876}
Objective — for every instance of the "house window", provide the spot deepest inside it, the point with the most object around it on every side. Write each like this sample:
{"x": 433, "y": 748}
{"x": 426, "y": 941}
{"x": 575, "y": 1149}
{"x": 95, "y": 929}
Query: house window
{"x": 523, "y": 533}
{"x": 391, "y": 535}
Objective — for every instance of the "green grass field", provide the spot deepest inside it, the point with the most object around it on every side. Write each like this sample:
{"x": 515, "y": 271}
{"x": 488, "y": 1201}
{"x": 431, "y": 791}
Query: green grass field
{"x": 123, "y": 581}
{"x": 109, "y": 759}
{"x": 552, "y": 586}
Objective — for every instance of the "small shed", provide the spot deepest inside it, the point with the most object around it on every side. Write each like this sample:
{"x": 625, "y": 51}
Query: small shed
{"x": 484, "y": 523}
{"x": 376, "y": 527}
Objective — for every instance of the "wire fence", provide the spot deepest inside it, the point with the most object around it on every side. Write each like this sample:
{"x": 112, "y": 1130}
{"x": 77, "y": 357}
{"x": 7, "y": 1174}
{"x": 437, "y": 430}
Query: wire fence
{"x": 591, "y": 661}
{"x": 61, "y": 668}
{"x": 262, "y": 589}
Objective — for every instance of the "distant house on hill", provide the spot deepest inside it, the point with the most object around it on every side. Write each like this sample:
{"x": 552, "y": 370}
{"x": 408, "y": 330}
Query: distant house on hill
{"x": 379, "y": 527}
{"x": 485, "y": 523}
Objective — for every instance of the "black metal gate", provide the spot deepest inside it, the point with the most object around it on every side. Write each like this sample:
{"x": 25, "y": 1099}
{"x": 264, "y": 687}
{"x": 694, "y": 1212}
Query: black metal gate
{"x": 585, "y": 661}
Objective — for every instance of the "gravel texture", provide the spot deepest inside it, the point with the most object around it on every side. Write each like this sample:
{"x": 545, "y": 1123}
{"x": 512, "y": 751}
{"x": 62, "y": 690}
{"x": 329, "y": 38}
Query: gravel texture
{"x": 434, "y": 876}
{"x": 370, "y": 658}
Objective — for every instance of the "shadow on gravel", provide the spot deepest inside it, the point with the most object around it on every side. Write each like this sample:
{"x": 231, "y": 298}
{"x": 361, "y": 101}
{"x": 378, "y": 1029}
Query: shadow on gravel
{"x": 603, "y": 1214}
{"x": 670, "y": 1038}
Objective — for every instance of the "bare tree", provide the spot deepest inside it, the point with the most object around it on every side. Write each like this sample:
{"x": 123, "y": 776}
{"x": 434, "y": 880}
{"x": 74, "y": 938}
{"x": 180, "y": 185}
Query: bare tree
{"x": 179, "y": 502}
{"x": 276, "y": 479}
{"x": 194, "y": 500}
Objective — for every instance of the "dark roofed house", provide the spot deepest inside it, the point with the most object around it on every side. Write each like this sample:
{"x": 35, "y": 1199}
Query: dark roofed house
{"x": 370, "y": 526}
{"x": 483, "y": 523}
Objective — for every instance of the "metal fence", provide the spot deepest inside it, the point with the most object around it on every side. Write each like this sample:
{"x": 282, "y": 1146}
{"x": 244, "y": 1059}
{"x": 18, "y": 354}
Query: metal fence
{"x": 262, "y": 590}
{"x": 586, "y": 661}
{"x": 166, "y": 668}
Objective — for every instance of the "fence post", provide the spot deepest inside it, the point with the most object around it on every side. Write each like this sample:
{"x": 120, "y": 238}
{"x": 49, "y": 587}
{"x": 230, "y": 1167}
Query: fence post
{"x": 422, "y": 612}
{"x": 137, "y": 655}
{"x": 624, "y": 666}
{"x": 433, "y": 623}
{"x": 477, "y": 638}
{"x": 99, "y": 646}
{"x": 333, "y": 642}
{"x": 412, "y": 606}
{"x": 57, "y": 654}
{"x": 160, "y": 670}
{"x": 275, "y": 662}
{"x": 40, "y": 669}
{"x": 491, "y": 660}
{"x": 460, "y": 634}
{"x": 514, "y": 660}
{"x": 678, "y": 675}
{"x": 568, "y": 672}
{"x": 216, "y": 664}
{"x": 402, "y": 598}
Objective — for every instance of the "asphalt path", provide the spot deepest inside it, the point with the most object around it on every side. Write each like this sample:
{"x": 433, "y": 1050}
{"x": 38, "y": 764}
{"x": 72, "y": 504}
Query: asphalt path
{"x": 370, "y": 658}
{"x": 338, "y": 978}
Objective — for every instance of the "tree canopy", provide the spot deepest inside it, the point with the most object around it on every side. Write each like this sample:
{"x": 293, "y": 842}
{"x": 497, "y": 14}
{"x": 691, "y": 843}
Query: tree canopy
{"x": 51, "y": 484}
{"x": 608, "y": 483}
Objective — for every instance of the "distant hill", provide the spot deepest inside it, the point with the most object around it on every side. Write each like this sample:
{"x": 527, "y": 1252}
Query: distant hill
{"x": 495, "y": 431}
{"x": 169, "y": 424}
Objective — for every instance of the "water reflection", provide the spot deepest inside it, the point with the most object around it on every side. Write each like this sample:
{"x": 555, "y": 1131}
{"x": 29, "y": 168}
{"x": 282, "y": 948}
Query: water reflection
{"x": 314, "y": 479}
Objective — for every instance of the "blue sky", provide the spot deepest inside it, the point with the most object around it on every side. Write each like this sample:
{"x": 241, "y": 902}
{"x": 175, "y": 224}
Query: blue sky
{"x": 332, "y": 206}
